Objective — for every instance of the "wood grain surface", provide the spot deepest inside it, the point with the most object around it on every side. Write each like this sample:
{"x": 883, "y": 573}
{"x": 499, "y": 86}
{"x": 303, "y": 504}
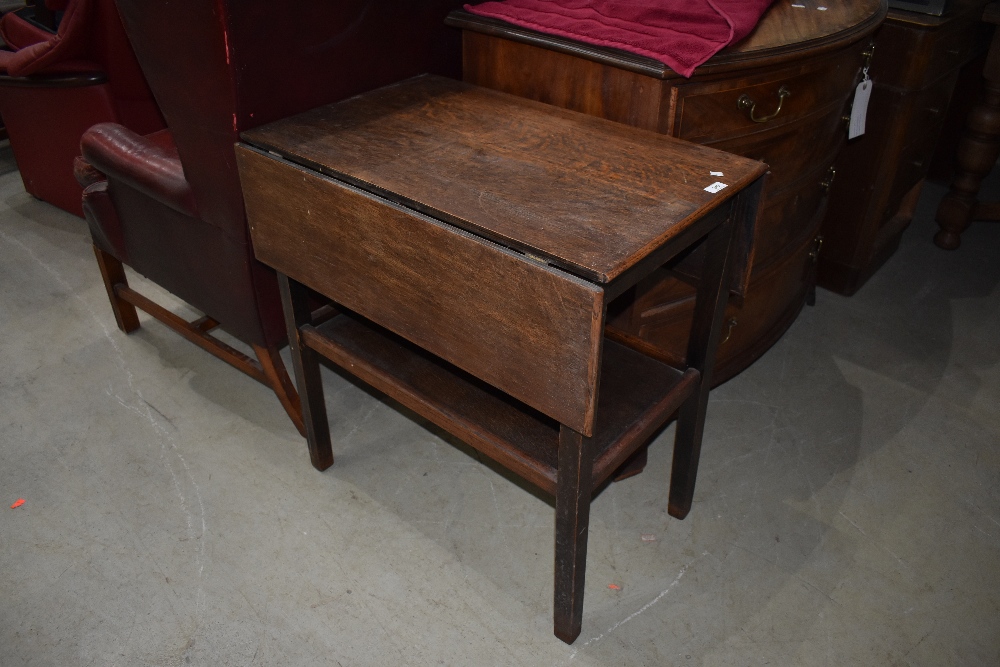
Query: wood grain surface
{"x": 524, "y": 327}
{"x": 583, "y": 193}
{"x": 638, "y": 395}
{"x": 812, "y": 20}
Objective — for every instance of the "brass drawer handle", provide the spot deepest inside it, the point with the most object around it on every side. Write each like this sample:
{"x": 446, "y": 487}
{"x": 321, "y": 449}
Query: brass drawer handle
{"x": 732, "y": 323}
{"x": 831, "y": 173}
{"x": 867, "y": 55}
{"x": 817, "y": 246}
{"x": 746, "y": 103}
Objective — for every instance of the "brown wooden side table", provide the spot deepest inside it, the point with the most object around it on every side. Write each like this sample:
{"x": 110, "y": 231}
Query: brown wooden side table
{"x": 474, "y": 241}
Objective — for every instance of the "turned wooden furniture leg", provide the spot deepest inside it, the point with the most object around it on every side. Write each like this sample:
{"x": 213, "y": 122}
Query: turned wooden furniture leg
{"x": 113, "y": 274}
{"x": 305, "y": 362}
{"x": 702, "y": 347}
{"x": 576, "y": 462}
{"x": 977, "y": 152}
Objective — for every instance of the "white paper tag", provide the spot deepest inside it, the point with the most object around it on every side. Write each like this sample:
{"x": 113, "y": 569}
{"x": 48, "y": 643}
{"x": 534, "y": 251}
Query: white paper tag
{"x": 716, "y": 187}
{"x": 860, "y": 109}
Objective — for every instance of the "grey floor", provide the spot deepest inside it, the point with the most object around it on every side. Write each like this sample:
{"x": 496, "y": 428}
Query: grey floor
{"x": 847, "y": 512}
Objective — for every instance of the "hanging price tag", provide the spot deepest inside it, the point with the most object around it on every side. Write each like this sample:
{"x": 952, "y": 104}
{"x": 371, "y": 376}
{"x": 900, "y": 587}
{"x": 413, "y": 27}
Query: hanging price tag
{"x": 860, "y": 109}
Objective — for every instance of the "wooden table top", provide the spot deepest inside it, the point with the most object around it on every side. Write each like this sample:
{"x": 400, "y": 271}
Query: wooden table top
{"x": 588, "y": 195}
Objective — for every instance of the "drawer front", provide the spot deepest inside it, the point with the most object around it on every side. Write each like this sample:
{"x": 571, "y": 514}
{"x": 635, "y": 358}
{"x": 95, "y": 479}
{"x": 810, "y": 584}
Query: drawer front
{"x": 795, "y": 186}
{"x": 707, "y": 112}
{"x": 909, "y": 57}
{"x": 953, "y": 48}
{"x": 759, "y": 323}
{"x": 786, "y": 221}
{"x": 529, "y": 330}
{"x": 791, "y": 157}
{"x": 928, "y": 109}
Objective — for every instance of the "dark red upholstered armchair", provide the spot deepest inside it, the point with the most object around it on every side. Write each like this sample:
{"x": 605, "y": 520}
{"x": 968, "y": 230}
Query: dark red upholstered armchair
{"x": 169, "y": 204}
{"x": 53, "y": 86}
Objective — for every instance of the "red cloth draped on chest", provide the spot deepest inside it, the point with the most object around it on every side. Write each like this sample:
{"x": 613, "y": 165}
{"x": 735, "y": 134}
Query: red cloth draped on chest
{"x": 681, "y": 33}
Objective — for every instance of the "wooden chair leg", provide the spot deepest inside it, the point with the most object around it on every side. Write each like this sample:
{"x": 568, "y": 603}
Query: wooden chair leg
{"x": 277, "y": 377}
{"x": 270, "y": 371}
{"x": 113, "y": 274}
{"x": 305, "y": 361}
{"x": 574, "y": 487}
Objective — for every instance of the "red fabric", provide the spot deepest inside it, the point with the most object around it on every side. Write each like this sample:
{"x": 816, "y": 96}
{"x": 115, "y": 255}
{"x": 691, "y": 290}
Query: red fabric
{"x": 680, "y": 33}
{"x": 91, "y": 31}
{"x": 18, "y": 33}
{"x": 45, "y": 125}
{"x": 70, "y": 43}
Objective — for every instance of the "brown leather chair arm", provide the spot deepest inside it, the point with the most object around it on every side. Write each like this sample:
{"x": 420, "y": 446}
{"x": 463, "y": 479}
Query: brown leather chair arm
{"x": 85, "y": 173}
{"x": 147, "y": 164}
{"x": 102, "y": 218}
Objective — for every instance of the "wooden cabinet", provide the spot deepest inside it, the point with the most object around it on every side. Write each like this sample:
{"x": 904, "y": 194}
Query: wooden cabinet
{"x": 796, "y": 72}
{"x": 915, "y": 66}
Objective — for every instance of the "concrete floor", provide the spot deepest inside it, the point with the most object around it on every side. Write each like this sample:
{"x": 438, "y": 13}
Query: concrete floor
{"x": 847, "y": 512}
